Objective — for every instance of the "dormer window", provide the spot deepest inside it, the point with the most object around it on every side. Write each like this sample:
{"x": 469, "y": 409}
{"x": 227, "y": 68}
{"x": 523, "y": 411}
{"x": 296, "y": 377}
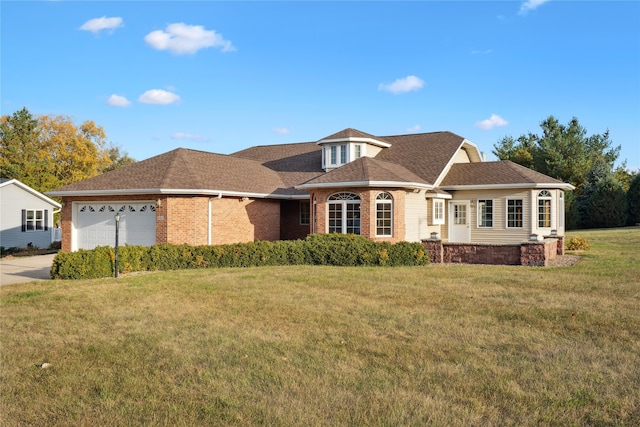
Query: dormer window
{"x": 338, "y": 155}
{"x": 348, "y": 145}
{"x": 357, "y": 148}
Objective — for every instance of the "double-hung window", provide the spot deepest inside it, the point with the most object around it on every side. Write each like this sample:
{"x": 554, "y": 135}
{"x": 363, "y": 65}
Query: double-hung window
{"x": 343, "y": 154}
{"x": 334, "y": 154}
{"x": 438, "y": 211}
{"x": 515, "y": 213}
{"x": 34, "y": 220}
{"x": 384, "y": 215}
{"x": 544, "y": 209}
{"x": 305, "y": 213}
{"x": 485, "y": 213}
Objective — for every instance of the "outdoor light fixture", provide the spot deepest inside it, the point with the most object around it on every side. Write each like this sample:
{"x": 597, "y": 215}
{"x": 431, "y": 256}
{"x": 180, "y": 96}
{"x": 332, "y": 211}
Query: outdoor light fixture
{"x": 117, "y": 218}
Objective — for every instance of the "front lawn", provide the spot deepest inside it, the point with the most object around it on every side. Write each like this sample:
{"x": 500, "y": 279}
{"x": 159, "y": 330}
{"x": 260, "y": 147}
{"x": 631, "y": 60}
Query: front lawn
{"x": 328, "y": 346}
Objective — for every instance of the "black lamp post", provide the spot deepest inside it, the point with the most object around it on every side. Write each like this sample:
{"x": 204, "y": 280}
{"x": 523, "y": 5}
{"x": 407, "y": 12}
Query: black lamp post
{"x": 117, "y": 217}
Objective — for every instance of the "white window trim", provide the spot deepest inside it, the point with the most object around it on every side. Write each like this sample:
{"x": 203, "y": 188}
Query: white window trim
{"x": 343, "y": 202}
{"x": 507, "y": 213}
{"x": 435, "y": 219}
{"x": 385, "y": 202}
{"x": 479, "y": 213}
{"x": 551, "y": 206}
{"x": 34, "y": 221}
{"x": 561, "y": 208}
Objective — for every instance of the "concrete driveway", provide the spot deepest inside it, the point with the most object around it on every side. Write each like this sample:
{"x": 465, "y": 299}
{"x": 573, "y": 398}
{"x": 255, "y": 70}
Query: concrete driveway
{"x": 25, "y": 269}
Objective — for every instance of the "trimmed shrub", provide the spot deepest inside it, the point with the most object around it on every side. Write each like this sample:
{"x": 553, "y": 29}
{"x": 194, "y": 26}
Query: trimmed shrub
{"x": 84, "y": 264}
{"x": 325, "y": 249}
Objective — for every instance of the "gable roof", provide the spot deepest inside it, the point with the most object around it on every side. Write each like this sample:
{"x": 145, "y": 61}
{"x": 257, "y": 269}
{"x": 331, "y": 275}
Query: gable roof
{"x": 368, "y": 172}
{"x": 425, "y": 154}
{"x": 502, "y": 174}
{"x": 4, "y": 182}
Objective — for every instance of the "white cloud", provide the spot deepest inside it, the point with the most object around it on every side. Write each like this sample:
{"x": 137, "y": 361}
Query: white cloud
{"x": 158, "y": 96}
{"x": 181, "y": 38}
{"x": 530, "y": 5}
{"x": 407, "y": 84}
{"x": 281, "y": 130}
{"x": 182, "y": 135}
{"x": 415, "y": 128}
{"x": 491, "y": 122}
{"x": 98, "y": 24}
{"x": 118, "y": 101}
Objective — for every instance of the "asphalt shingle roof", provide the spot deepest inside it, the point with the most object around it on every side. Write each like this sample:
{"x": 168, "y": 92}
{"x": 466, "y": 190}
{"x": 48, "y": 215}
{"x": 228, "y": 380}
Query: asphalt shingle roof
{"x": 494, "y": 173}
{"x": 277, "y": 169}
{"x": 367, "y": 169}
{"x": 186, "y": 170}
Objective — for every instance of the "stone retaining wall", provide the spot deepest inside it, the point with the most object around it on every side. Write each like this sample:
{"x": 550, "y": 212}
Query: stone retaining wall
{"x": 530, "y": 253}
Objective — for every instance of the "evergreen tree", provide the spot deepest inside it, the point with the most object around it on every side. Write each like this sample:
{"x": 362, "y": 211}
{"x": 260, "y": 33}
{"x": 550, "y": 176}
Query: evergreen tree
{"x": 633, "y": 200}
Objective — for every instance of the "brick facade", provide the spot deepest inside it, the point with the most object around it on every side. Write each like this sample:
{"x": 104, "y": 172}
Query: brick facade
{"x": 240, "y": 220}
{"x": 367, "y": 212}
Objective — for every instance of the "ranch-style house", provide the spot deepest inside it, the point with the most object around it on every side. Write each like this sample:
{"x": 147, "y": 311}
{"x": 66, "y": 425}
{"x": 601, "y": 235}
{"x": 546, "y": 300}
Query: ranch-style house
{"x": 417, "y": 187}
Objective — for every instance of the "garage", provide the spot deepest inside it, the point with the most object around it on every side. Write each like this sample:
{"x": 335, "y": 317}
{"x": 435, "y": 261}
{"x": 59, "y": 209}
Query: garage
{"x": 96, "y": 225}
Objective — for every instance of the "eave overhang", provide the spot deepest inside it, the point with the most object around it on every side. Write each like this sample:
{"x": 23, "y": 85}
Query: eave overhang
{"x": 178, "y": 191}
{"x": 371, "y": 141}
{"x": 372, "y": 184}
{"x": 32, "y": 191}
{"x": 557, "y": 185}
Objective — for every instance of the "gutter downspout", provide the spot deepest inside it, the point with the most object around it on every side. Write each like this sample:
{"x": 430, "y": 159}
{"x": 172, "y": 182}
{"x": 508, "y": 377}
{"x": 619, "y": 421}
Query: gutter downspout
{"x": 209, "y": 215}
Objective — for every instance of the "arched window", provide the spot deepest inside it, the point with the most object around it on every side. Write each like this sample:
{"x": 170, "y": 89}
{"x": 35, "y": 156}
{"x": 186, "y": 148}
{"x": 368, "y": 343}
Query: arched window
{"x": 384, "y": 215}
{"x": 344, "y": 213}
{"x": 544, "y": 209}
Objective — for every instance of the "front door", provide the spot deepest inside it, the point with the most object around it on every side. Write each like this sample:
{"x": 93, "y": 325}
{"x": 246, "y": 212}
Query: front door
{"x": 459, "y": 222}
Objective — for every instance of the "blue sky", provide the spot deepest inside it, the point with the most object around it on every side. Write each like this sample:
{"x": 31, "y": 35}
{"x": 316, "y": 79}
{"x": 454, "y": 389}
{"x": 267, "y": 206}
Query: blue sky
{"x": 224, "y": 76}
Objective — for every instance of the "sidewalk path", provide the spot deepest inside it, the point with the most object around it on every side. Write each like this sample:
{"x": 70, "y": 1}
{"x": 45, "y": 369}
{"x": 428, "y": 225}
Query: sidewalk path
{"x": 25, "y": 269}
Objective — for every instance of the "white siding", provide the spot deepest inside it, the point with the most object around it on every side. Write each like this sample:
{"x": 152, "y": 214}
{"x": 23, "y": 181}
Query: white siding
{"x": 13, "y": 200}
{"x": 499, "y": 233}
{"x": 415, "y": 212}
{"x": 461, "y": 156}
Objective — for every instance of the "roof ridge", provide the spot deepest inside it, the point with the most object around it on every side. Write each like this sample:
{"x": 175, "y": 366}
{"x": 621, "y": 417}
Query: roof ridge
{"x": 178, "y": 154}
{"x": 517, "y": 168}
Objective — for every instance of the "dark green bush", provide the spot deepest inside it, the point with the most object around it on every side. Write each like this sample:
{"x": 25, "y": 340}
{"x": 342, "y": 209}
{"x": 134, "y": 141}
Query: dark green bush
{"x": 320, "y": 249}
{"x": 84, "y": 264}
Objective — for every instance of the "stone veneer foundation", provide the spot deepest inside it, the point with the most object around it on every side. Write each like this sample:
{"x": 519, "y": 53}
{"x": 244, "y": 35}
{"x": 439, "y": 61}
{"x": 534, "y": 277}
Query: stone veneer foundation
{"x": 529, "y": 253}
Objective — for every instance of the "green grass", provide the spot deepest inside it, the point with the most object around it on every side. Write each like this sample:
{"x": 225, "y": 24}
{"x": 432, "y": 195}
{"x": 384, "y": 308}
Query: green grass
{"x": 326, "y": 346}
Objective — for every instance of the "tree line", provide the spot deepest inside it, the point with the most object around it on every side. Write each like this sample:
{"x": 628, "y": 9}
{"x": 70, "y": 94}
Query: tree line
{"x": 50, "y": 151}
{"x": 605, "y": 195}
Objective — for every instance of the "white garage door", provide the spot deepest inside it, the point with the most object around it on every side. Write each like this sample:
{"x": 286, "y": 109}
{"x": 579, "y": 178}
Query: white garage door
{"x": 96, "y": 224}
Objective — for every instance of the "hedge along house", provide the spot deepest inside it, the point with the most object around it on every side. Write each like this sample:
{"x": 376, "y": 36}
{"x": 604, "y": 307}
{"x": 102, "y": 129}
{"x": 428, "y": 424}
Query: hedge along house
{"x": 393, "y": 188}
